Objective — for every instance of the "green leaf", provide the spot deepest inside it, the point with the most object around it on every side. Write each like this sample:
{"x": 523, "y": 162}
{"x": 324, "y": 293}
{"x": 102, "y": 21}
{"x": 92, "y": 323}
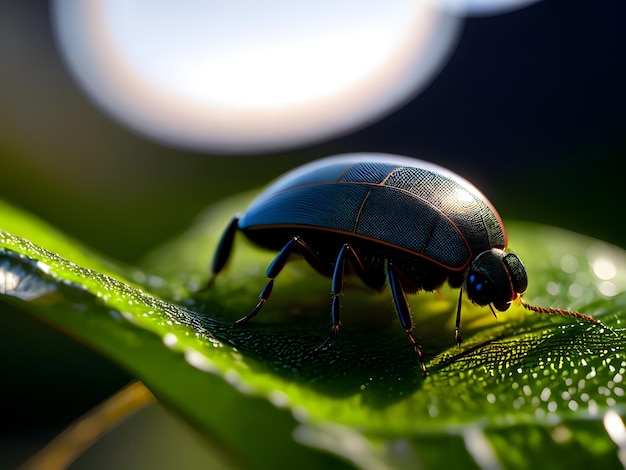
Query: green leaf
{"x": 524, "y": 388}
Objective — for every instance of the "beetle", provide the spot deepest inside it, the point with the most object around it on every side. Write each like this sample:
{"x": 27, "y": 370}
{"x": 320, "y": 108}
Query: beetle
{"x": 390, "y": 220}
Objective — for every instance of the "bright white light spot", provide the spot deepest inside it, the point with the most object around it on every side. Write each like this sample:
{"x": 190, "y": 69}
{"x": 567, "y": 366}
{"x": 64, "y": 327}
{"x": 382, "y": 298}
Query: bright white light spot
{"x": 170, "y": 340}
{"x": 278, "y": 398}
{"x": 479, "y": 448}
{"x": 15, "y": 281}
{"x": 615, "y": 428}
{"x": 8, "y": 282}
{"x": 249, "y": 76}
{"x": 43, "y": 267}
{"x": 464, "y": 196}
{"x": 604, "y": 268}
{"x": 199, "y": 361}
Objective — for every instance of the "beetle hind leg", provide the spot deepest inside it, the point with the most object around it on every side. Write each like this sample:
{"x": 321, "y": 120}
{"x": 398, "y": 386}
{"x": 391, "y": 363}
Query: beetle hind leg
{"x": 402, "y": 307}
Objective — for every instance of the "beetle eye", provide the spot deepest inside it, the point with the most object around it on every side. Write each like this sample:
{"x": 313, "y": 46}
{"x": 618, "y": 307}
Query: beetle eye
{"x": 479, "y": 288}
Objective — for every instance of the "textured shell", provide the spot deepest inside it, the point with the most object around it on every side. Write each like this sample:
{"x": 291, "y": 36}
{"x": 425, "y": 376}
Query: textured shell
{"x": 404, "y": 203}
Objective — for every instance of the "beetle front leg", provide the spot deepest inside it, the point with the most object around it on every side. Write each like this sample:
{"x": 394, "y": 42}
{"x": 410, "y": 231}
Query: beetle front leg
{"x": 273, "y": 270}
{"x": 402, "y": 307}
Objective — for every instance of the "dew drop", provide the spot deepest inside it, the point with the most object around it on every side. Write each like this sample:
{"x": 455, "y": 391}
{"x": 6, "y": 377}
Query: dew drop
{"x": 170, "y": 340}
{"x": 278, "y": 398}
{"x": 199, "y": 361}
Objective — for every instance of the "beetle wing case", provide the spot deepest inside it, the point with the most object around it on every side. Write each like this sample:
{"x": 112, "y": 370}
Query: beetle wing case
{"x": 406, "y": 204}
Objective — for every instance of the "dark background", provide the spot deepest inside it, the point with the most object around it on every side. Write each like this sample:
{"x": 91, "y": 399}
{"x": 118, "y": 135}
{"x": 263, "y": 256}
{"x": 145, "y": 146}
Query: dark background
{"x": 530, "y": 108}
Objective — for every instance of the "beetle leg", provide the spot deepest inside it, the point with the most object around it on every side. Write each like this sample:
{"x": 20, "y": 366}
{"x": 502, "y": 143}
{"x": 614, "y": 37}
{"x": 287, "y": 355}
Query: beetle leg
{"x": 457, "y": 328}
{"x": 273, "y": 270}
{"x": 336, "y": 288}
{"x": 402, "y": 307}
{"x": 222, "y": 252}
{"x": 263, "y": 297}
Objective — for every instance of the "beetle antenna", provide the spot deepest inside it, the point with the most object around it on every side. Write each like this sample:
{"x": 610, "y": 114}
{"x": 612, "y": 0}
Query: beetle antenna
{"x": 558, "y": 311}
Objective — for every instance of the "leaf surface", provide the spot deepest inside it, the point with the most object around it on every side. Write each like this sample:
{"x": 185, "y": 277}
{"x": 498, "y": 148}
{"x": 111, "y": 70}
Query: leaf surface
{"x": 521, "y": 387}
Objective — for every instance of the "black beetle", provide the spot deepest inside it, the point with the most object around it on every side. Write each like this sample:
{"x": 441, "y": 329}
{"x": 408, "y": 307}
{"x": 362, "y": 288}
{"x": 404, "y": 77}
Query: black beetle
{"x": 395, "y": 220}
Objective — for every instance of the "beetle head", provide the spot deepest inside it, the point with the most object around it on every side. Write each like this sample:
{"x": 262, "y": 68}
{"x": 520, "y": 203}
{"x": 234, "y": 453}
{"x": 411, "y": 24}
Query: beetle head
{"x": 495, "y": 277}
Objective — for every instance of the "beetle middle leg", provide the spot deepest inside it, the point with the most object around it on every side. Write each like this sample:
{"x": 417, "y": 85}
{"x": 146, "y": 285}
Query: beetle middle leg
{"x": 337, "y": 287}
{"x": 274, "y": 269}
{"x": 402, "y": 307}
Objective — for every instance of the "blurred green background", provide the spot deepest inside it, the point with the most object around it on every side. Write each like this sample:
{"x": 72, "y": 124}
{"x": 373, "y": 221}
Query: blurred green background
{"x": 530, "y": 108}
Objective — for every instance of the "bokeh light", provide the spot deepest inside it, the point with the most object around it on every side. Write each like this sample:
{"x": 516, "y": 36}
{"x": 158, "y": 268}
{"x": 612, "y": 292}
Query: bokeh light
{"x": 248, "y": 76}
